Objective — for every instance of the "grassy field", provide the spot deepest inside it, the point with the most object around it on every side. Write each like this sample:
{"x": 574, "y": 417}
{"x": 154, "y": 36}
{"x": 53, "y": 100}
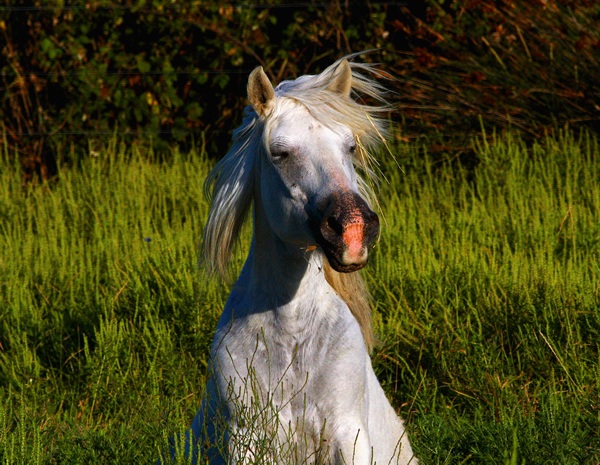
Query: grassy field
{"x": 486, "y": 286}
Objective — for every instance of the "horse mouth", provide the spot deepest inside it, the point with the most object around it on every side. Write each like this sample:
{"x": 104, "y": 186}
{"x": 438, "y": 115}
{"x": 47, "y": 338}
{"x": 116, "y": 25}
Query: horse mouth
{"x": 346, "y": 232}
{"x": 340, "y": 267}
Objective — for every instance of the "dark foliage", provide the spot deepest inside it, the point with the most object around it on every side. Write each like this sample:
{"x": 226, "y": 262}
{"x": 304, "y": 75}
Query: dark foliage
{"x": 75, "y": 74}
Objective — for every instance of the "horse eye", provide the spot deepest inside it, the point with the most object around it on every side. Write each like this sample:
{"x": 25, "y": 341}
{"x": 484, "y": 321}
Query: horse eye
{"x": 352, "y": 149}
{"x": 280, "y": 155}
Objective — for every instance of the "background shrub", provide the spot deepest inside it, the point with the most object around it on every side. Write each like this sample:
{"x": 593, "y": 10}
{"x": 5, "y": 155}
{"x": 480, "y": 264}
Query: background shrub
{"x": 174, "y": 72}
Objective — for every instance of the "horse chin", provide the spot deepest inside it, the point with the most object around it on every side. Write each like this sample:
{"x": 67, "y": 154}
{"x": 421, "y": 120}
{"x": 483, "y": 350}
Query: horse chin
{"x": 340, "y": 267}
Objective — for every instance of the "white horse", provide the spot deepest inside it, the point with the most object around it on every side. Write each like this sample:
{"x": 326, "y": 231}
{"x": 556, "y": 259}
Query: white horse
{"x": 291, "y": 377}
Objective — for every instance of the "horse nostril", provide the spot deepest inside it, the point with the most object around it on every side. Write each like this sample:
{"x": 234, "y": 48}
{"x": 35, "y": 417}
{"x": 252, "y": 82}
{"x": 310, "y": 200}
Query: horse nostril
{"x": 335, "y": 225}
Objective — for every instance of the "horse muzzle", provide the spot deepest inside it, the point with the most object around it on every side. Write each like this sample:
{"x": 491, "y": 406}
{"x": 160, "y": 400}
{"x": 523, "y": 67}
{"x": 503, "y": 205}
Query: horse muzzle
{"x": 346, "y": 231}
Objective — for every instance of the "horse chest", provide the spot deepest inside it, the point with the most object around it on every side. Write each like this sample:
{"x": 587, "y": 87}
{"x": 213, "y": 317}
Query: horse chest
{"x": 309, "y": 327}
{"x": 299, "y": 355}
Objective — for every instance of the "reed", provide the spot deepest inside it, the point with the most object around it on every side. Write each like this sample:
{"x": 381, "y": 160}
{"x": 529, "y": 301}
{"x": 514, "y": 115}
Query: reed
{"x": 485, "y": 285}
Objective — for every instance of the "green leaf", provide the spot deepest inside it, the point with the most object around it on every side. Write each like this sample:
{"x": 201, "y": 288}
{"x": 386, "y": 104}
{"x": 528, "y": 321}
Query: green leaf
{"x": 142, "y": 65}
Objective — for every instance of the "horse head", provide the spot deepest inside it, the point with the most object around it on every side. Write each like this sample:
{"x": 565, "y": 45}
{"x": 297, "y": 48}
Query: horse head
{"x": 308, "y": 186}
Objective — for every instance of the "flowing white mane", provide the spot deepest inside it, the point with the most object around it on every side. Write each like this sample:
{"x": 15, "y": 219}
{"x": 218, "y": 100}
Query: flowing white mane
{"x": 364, "y": 120}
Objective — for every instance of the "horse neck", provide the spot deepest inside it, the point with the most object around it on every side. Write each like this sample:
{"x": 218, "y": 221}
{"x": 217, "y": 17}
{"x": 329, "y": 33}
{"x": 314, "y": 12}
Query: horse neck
{"x": 284, "y": 272}
{"x": 278, "y": 269}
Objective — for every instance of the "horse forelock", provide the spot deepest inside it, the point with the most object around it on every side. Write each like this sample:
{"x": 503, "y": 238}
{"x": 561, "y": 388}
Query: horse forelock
{"x": 365, "y": 120}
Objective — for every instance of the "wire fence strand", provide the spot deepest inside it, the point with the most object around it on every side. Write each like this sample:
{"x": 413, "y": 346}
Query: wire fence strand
{"x": 167, "y": 8}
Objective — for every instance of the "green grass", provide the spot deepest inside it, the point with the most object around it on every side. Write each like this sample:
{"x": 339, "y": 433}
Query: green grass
{"x": 486, "y": 285}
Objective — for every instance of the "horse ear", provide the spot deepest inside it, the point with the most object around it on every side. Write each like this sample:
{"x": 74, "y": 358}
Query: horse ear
{"x": 341, "y": 83}
{"x": 261, "y": 92}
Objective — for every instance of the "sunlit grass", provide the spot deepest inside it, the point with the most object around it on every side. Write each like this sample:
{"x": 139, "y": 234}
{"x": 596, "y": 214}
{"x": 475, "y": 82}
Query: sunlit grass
{"x": 485, "y": 284}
